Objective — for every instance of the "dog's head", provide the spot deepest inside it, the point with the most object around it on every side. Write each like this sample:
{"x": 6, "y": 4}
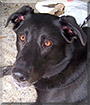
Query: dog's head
{"x": 42, "y": 44}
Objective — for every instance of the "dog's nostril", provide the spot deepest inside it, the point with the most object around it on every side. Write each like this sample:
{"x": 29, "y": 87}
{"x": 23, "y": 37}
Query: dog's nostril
{"x": 22, "y": 79}
{"x": 19, "y": 77}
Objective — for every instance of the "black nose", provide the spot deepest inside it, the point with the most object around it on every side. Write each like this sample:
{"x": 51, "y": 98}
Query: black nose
{"x": 20, "y": 75}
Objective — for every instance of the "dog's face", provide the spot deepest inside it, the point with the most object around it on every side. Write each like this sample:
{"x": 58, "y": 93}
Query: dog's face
{"x": 42, "y": 41}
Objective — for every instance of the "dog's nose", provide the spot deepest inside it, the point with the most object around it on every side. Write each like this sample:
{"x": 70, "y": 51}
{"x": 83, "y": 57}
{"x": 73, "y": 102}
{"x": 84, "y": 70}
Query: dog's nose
{"x": 20, "y": 75}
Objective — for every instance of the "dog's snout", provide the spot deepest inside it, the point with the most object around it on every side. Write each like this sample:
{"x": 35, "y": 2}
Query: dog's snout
{"x": 19, "y": 75}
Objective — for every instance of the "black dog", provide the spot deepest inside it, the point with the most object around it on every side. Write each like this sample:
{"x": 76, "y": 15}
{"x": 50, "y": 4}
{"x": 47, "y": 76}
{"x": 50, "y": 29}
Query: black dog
{"x": 52, "y": 53}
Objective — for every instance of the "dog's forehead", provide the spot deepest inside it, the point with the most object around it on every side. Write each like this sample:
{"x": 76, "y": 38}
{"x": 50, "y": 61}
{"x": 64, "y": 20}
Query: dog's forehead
{"x": 39, "y": 23}
{"x": 41, "y": 20}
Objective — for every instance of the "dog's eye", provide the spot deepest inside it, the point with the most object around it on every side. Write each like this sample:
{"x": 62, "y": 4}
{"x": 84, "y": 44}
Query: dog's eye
{"x": 48, "y": 43}
{"x": 22, "y": 38}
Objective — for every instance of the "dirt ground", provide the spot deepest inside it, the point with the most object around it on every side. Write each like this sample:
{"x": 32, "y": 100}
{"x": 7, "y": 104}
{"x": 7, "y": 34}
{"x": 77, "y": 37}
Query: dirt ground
{"x": 10, "y": 91}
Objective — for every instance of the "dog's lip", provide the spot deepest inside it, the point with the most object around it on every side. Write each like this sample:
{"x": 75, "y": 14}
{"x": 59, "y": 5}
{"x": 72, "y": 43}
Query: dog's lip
{"x": 21, "y": 84}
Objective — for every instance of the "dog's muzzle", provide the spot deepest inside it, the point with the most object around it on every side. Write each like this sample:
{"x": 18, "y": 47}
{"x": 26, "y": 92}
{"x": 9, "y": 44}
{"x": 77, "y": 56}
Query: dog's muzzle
{"x": 24, "y": 77}
{"x": 20, "y": 75}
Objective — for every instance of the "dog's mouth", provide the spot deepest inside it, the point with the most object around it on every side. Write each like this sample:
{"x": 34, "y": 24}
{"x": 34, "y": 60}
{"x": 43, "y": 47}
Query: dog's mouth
{"x": 22, "y": 84}
{"x": 25, "y": 83}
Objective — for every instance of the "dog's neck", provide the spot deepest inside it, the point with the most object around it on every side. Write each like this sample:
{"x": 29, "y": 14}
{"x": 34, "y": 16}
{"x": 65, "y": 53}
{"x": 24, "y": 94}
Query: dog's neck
{"x": 60, "y": 80}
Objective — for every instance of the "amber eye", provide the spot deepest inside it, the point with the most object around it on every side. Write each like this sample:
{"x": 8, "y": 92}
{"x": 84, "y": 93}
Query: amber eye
{"x": 22, "y": 37}
{"x": 48, "y": 43}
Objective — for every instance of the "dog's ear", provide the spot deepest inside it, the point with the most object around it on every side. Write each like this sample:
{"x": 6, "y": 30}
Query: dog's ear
{"x": 19, "y": 16}
{"x": 71, "y": 30}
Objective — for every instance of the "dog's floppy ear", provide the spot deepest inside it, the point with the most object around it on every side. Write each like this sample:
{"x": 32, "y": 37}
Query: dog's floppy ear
{"x": 71, "y": 30}
{"x": 17, "y": 17}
